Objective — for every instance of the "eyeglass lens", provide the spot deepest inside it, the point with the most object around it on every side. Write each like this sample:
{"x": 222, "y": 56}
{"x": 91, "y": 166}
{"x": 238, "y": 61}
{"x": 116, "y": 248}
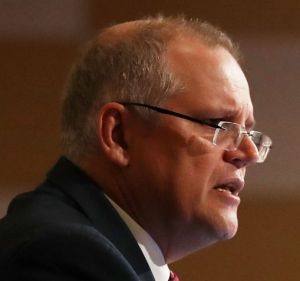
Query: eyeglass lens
{"x": 231, "y": 135}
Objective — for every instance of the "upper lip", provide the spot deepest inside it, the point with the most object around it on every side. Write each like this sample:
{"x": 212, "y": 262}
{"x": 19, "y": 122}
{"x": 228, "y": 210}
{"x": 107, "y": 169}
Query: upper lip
{"x": 234, "y": 185}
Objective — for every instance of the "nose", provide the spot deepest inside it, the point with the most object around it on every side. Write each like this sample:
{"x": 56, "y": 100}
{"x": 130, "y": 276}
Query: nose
{"x": 245, "y": 155}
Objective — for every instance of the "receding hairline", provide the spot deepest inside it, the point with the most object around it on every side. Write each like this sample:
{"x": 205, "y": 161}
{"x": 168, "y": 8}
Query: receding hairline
{"x": 127, "y": 61}
{"x": 116, "y": 33}
{"x": 171, "y": 29}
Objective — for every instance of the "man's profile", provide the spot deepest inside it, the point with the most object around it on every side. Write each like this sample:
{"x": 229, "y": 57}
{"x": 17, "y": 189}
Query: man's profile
{"x": 157, "y": 131}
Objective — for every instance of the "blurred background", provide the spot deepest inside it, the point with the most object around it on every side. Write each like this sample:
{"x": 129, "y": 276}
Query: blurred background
{"x": 39, "y": 40}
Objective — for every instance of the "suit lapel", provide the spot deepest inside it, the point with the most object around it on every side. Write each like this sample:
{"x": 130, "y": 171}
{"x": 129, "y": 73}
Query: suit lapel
{"x": 92, "y": 202}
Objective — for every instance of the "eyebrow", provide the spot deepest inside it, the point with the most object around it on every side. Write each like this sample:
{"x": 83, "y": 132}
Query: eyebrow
{"x": 230, "y": 115}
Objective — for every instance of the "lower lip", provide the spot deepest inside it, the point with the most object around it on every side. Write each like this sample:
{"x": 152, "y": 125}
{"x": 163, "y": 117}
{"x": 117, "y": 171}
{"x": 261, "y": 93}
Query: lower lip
{"x": 228, "y": 197}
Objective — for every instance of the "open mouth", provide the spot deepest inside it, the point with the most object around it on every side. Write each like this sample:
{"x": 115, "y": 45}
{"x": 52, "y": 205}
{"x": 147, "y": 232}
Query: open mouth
{"x": 227, "y": 188}
{"x": 232, "y": 187}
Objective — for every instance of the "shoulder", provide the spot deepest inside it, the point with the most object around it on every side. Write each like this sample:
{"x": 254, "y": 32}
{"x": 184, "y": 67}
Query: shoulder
{"x": 65, "y": 231}
{"x": 39, "y": 215}
{"x": 33, "y": 211}
{"x": 68, "y": 252}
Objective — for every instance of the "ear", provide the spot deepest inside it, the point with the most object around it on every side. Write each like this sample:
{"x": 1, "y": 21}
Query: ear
{"x": 111, "y": 133}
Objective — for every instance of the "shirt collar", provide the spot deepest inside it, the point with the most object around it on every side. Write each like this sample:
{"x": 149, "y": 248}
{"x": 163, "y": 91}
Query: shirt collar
{"x": 149, "y": 247}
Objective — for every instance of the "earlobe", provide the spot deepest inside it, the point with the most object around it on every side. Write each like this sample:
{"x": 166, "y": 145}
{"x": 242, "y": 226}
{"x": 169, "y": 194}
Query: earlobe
{"x": 111, "y": 136}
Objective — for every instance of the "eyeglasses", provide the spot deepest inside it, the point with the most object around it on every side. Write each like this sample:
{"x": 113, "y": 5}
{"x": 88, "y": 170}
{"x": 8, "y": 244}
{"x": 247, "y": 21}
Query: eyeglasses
{"x": 228, "y": 135}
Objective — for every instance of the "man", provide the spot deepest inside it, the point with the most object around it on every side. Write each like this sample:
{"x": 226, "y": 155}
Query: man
{"x": 157, "y": 131}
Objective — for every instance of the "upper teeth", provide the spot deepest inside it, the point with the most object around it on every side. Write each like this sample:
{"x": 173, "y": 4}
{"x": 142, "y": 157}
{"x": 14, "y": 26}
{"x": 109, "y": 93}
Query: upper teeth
{"x": 225, "y": 188}
{"x": 222, "y": 189}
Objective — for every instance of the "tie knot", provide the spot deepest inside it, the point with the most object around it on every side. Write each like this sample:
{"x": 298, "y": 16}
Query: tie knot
{"x": 173, "y": 277}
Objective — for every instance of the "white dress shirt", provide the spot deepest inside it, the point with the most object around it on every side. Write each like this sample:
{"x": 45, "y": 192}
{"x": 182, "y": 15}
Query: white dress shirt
{"x": 150, "y": 249}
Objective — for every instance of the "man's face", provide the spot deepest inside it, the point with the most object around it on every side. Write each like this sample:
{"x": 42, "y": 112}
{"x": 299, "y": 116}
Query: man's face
{"x": 184, "y": 184}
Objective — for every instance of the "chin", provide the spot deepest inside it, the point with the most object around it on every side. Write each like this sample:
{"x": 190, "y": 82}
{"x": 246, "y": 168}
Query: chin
{"x": 207, "y": 231}
{"x": 220, "y": 224}
{"x": 227, "y": 227}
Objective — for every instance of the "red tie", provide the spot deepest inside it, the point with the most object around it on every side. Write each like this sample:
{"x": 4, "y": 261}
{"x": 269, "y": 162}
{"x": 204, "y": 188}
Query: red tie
{"x": 173, "y": 277}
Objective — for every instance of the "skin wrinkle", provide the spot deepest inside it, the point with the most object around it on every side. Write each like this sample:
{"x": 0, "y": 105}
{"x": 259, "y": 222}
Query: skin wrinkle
{"x": 195, "y": 144}
{"x": 120, "y": 43}
{"x": 192, "y": 141}
{"x": 172, "y": 164}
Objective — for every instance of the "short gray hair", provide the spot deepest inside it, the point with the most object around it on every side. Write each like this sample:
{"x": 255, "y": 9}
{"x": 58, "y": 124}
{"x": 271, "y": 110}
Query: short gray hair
{"x": 129, "y": 68}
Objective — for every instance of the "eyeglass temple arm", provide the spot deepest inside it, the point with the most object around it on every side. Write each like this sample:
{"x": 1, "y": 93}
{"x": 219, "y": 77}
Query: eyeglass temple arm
{"x": 169, "y": 112}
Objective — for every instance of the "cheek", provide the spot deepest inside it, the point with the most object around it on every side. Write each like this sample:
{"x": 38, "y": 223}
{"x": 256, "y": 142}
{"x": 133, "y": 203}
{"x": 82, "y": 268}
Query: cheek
{"x": 198, "y": 146}
{"x": 181, "y": 168}
{"x": 195, "y": 172}
{"x": 203, "y": 158}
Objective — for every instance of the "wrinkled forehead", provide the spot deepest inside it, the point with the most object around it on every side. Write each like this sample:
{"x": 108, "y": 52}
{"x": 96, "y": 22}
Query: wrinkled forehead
{"x": 211, "y": 78}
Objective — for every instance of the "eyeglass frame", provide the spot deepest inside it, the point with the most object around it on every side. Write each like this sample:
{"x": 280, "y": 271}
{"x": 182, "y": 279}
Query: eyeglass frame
{"x": 243, "y": 130}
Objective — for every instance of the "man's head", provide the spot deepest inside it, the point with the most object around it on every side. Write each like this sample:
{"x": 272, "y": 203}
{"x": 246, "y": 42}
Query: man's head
{"x": 177, "y": 178}
{"x": 126, "y": 62}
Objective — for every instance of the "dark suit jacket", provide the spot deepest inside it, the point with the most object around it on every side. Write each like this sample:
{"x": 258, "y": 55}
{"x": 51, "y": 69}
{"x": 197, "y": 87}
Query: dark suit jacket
{"x": 67, "y": 230}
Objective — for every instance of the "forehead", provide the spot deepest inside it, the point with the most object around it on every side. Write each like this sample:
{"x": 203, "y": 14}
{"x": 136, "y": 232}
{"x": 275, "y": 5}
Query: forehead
{"x": 212, "y": 80}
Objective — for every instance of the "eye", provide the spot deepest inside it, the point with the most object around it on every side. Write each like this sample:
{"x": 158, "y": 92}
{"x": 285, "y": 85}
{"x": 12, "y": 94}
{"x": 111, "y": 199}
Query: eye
{"x": 213, "y": 122}
{"x": 216, "y": 120}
